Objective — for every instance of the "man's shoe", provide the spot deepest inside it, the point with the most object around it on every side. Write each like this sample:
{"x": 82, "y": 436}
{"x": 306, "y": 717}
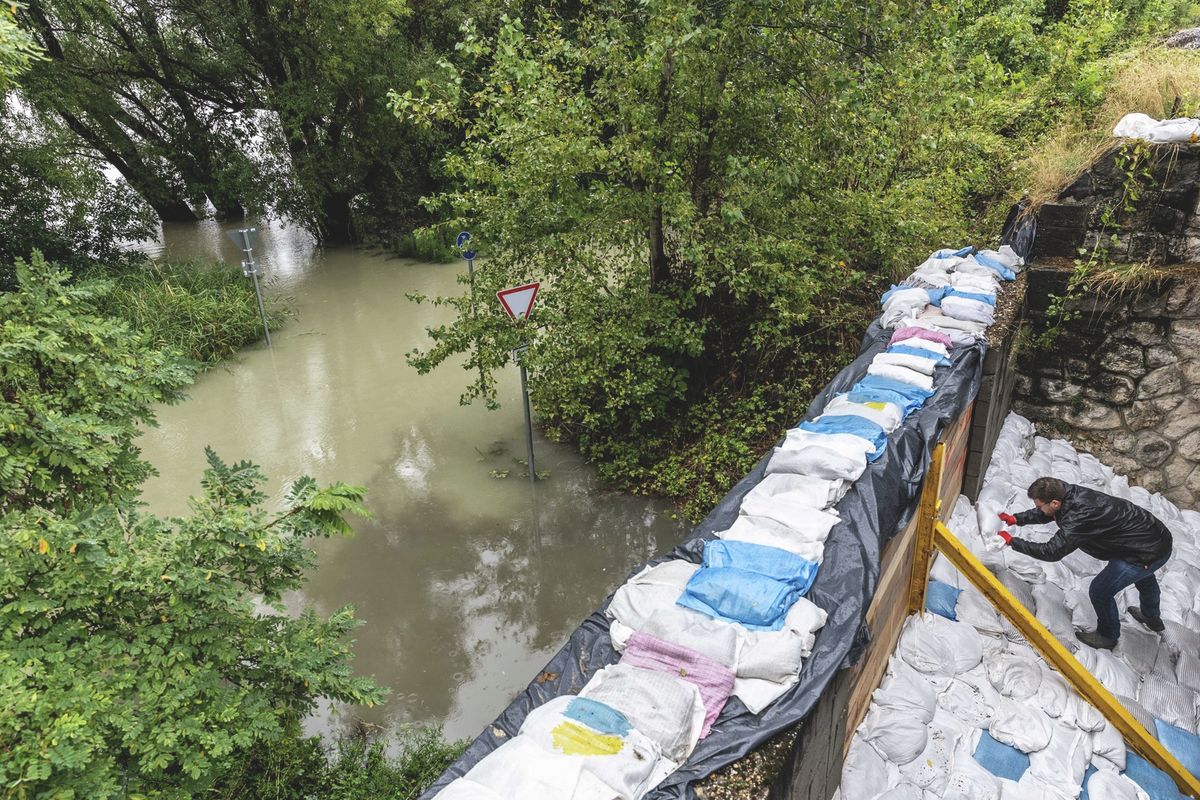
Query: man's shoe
{"x": 1155, "y": 625}
{"x": 1093, "y": 639}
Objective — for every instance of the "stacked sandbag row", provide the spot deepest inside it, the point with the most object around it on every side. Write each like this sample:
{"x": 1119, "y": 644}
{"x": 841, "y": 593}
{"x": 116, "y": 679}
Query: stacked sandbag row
{"x": 969, "y": 710}
{"x": 739, "y": 623}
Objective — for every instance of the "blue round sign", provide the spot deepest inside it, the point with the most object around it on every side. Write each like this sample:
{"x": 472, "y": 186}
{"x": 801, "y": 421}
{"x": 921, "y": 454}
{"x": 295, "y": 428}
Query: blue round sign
{"x": 463, "y": 238}
{"x": 469, "y": 255}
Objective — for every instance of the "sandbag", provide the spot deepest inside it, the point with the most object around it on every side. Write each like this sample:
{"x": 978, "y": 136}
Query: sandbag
{"x": 667, "y": 710}
{"x": 1169, "y": 702}
{"x": 1013, "y": 677}
{"x": 904, "y": 691}
{"x": 520, "y": 768}
{"x": 931, "y": 769}
{"x": 819, "y": 462}
{"x": 1103, "y": 785}
{"x": 810, "y": 523}
{"x": 898, "y": 737}
{"x": 1113, "y": 673}
{"x": 864, "y": 772}
{"x": 1063, "y": 762}
{"x": 935, "y": 645}
{"x": 800, "y": 489}
{"x": 1021, "y": 725}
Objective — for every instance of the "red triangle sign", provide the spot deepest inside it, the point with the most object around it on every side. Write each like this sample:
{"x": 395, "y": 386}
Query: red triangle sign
{"x": 518, "y": 301}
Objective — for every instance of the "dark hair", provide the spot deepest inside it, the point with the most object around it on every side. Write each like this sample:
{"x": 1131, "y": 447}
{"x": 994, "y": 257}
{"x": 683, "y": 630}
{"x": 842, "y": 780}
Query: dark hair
{"x": 1046, "y": 490}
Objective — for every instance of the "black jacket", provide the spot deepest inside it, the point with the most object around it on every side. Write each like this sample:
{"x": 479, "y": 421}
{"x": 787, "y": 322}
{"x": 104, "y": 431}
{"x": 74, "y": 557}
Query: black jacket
{"x": 1103, "y": 526}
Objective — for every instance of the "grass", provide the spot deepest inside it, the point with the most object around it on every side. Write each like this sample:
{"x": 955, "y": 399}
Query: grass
{"x": 206, "y": 311}
{"x": 303, "y": 768}
{"x": 434, "y": 244}
{"x": 1158, "y": 81}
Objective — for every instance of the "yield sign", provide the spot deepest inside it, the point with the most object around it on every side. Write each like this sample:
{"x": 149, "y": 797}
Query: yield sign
{"x": 518, "y": 301}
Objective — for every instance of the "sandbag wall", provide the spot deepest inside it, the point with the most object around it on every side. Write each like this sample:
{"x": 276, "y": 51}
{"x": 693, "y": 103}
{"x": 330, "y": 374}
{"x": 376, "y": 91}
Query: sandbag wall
{"x": 706, "y": 653}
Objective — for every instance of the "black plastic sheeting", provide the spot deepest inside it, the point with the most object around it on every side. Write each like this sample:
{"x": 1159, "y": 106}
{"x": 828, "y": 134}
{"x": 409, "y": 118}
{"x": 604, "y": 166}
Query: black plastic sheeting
{"x": 879, "y": 505}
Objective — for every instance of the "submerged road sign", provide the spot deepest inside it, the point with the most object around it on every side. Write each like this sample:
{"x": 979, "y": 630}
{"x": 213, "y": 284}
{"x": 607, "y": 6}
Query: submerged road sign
{"x": 518, "y": 301}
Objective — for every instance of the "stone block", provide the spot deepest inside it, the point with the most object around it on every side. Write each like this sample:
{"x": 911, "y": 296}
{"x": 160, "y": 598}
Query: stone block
{"x": 1058, "y": 390}
{"x": 1160, "y": 356}
{"x": 1177, "y": 470}
{"x": 1192, "y": 484}
{"x": 1185, "y": 336}
{"x": 1142, "y": 414}
{"x": 1161, "y": 381}
{"x": 1090, "y": 415}
{"x": 1151, "y": 480}
{"x": 1181, "y": 497}
{"x": 1110, "y": 387}
{"x": 1123, "y": 356}
{"x": 1146, "y": 332}
{"x": 1061, "y": 228}
{"x": 1189, "y": 447}
{"x": 1152, "y": 450}
{"x": 1184, "y": 419}
{"x": 1023, "y": 385}
{"x": 1124, "y": 442}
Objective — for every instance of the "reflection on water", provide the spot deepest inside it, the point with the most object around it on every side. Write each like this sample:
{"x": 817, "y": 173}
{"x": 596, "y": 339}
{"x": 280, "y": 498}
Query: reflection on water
{"x": 467, "y": 583}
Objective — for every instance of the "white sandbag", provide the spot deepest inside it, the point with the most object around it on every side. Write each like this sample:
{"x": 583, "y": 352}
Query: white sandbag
{"x": 695, "y": 630}
{"x": 1053, "y": 695}
{"x": 937, "y": 348}
{"x": 819, "y": 462}
{"x": 937, "y": 646}
{"x": 631, "y": 764}
{"x": 801, "y": 489}
{"x": 966, "y": 308}
{"x": 776, "y": 655}
{"x": 897, "y": 737}
{"x": 769, "y": 533}
{"x": 653, "y": 588}
{"x": 1181, "y": 130}
{"x": 810, "y": 523}
{"x": 903, "y": 374}
{"x": 931, "y": 769}
{"x": 1052, "y": 611}
{"x": 943, "y": 571}
{"x": 1114, "y": 674}
{"x": 864, "y": 772}
{"x": 667, "y": 710}
{"x": 1083, "y": 613}
{"x": 963, "y": 521}
{"x": 1063, "y": 762}
{"x": 900, "y": 304}
{"x": 520, "y": 768}
{"x": 925, "y": 366}
{"x": 886, "y": 415}
{"x": 968, "y": 702}
{"x": 847, "y": 444}
{"x": 904, "y": 691}
{"x": 463, "y": 789}
{"x": 904, "y": 791}
{"x": 977, "y": 611}
{"x": 1031, "y": 571}
{"x": 1109, "y": 743}
{"x": 1021, "y": 725}
{"x": 1169, "y": 702}
{"x": 1104, "y": 785}
{"x": 1015, "y": 677}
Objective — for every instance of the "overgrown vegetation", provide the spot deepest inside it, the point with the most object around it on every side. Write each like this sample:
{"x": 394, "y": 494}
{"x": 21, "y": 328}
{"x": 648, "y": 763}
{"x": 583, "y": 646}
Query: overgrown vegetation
{"x": 145, "y": 656}
{"x": 207, "y": 312}
{"x": 714, "y": 195}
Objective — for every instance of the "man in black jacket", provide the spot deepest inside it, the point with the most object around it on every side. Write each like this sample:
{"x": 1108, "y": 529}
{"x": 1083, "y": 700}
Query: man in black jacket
{"x": 1132, "y": 540}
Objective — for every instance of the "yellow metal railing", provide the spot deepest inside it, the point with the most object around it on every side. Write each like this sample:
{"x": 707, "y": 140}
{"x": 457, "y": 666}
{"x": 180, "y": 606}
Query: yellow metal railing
{"x": 933, "y": 535}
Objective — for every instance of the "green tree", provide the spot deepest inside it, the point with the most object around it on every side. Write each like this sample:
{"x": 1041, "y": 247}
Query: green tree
{"x": 148, "y": 657}
{"x": 17, "y": 48}
{"x": 74, "y": 386}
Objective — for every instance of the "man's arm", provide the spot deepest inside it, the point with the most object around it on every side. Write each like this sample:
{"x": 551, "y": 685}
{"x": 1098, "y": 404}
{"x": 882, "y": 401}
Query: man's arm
{"x": 1053, "y": 550}
{"x": 1033, "y": 516}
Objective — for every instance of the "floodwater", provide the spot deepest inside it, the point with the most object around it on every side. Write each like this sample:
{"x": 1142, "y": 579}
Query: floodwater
{"x": 467, "y": 582}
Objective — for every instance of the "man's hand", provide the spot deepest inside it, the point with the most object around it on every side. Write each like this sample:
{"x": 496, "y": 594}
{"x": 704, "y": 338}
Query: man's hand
{"x": 1007, "y": 518}
{"x": 1006, "y": 536}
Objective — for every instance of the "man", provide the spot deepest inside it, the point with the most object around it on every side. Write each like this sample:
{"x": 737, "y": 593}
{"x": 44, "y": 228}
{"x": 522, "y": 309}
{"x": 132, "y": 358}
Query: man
{"x": 1132, "y": 540}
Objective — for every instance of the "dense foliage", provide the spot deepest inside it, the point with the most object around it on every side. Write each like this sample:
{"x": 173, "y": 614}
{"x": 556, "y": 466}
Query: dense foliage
{"x": 246, "y": 105}
{"x": 713, "y": 194}
{"x": 74, "y": 386}
{"x": 136, "y": 657}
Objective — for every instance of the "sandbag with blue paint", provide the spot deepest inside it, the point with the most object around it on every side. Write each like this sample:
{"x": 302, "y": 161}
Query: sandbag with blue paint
{"x": 772, "y": 562}
{"x": 754, "y": 601}
{"x": 853, "y": 425}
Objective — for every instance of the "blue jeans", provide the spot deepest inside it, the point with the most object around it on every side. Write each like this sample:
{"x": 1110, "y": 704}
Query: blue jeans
{"x": 1112, "y": 580}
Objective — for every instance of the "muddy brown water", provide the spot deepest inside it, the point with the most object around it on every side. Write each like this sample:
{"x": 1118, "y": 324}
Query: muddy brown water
{"x": 467, "y": 582}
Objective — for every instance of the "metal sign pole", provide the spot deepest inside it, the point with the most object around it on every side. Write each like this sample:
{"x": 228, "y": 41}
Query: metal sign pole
{"x": 250, "y": 270}
{"x": 517, "y": 354}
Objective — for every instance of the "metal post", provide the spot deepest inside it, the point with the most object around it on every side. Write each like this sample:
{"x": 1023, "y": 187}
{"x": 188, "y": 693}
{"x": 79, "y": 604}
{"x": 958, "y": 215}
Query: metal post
{"x": 262, "y": 311}
{"x": 528, "y": 421}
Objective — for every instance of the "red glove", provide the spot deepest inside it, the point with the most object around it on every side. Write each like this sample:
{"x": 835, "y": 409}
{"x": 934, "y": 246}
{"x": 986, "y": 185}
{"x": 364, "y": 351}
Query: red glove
{"x": 1006, "y": 536}
{"x": 1007, "y": 519}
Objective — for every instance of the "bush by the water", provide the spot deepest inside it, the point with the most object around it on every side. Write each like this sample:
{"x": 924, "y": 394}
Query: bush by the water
{"x": 304, "y": 768}
{"x": 205, "y": 311}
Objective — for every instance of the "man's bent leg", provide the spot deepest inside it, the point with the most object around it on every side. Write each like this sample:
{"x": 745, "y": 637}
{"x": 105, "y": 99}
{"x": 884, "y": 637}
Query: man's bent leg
{"x": 1103, "y": 594}
{"x": 1148, "y": 591}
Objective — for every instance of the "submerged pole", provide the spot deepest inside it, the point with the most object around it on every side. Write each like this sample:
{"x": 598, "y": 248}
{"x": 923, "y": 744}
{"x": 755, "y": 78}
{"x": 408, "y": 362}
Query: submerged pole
{"x": 528, "y": 419}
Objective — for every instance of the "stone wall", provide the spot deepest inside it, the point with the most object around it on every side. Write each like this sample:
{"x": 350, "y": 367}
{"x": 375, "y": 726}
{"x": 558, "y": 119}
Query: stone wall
{"x": 1122, "y": 380}
{"x": 1148, "y": 218}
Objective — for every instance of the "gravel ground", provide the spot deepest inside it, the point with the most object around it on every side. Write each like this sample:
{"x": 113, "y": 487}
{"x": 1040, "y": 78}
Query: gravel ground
{"x": 750, "y": 778}
{"x": 1009, "y": 300}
